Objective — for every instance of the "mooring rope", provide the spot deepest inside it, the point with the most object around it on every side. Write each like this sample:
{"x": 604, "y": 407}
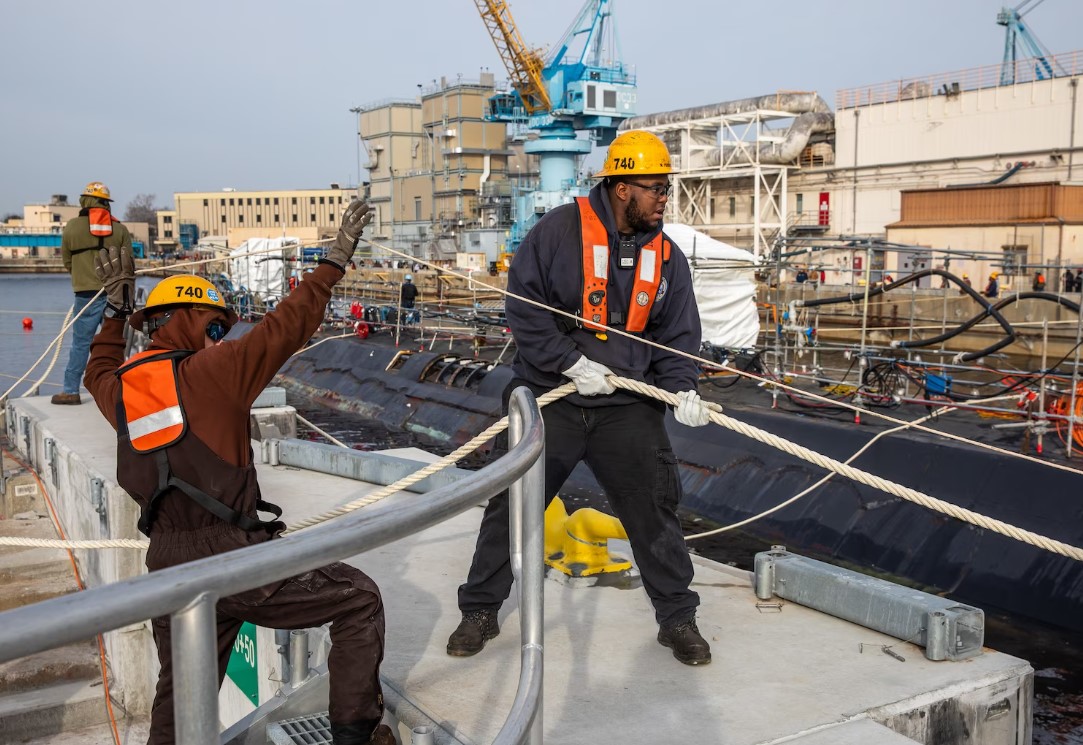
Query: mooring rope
{"x": 716, "y": 416}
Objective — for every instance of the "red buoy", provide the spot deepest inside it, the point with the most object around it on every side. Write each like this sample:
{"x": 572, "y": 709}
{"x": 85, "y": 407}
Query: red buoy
{"x": 362, "y": 329}
{"x": 28, "y": 324}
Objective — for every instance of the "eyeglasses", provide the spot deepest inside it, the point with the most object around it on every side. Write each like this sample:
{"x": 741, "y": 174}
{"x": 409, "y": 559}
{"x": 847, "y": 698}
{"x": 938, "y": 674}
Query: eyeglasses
{"x": 217, "y": 330}
{"x": 658, "y": 190}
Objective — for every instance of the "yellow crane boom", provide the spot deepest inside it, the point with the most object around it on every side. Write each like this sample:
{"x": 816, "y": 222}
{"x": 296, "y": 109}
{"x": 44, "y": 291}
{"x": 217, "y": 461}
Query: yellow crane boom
{"x": 524, "y": 65}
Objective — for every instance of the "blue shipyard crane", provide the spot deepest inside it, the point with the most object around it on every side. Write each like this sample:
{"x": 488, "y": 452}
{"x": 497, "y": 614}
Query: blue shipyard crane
{"x": 580, "y": 86}
{"x": 1018, "y": 35}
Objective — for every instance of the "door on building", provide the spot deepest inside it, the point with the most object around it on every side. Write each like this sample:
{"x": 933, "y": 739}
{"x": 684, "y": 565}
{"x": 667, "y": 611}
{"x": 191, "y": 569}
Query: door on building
{"x": 915, "y": 261}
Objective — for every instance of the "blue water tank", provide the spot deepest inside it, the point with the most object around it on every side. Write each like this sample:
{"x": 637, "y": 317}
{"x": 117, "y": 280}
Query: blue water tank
{"x": 188, "y": 235}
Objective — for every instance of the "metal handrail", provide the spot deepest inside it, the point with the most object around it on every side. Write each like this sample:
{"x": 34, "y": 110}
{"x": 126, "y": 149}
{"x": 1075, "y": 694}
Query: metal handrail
{"x": 189, "y": 592}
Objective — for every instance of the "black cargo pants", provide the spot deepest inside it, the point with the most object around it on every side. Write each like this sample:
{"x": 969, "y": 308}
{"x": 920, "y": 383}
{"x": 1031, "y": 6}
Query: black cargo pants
{"x": 337, "y": 594}
{"x": 627, "y": 449}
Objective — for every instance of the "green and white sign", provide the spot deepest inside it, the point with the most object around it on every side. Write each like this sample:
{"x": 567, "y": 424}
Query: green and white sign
{"x": 242, "y": 663}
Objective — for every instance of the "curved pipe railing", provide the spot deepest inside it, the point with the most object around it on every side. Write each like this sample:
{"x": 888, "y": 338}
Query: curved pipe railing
{"x": 189, "y": 592}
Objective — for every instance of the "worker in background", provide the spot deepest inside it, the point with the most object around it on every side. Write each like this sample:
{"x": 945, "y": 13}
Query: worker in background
{"x": 407, "y": 296}
{"x": 195, "y": 439}
{"x": 966, "y": 281}
{"x": 1077, "y": 284}
{"x": 802, "y": 275}
{"x": 1069, "y": 280}
{"x": 83, "y": 237}
{"x": 1039, "y": 281}
{"x": 638, "y": 282}
{"x": 992, "y": 288}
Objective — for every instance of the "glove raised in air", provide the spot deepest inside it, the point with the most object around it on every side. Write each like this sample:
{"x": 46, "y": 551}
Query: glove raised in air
{"x": 691, "y": 411}
{"x": 589, "y": 378}
{"x": 354, "y": 220}
{"x": 115, "y": 268}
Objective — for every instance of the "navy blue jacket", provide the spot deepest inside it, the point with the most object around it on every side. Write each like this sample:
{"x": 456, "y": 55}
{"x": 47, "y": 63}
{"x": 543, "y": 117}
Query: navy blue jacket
{"x": 548, "y": 268}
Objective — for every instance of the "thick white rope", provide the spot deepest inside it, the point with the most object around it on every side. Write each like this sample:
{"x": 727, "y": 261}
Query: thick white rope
{"x": 717, "y": 417}
{"x": 56, "y": 354}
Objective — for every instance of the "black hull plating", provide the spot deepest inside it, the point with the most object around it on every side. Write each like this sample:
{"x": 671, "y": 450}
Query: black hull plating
{"x": 728, "y": 477}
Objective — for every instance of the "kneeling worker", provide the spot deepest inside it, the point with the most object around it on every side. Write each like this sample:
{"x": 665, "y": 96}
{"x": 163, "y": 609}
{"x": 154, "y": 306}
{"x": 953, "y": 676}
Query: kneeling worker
{"x": 181, "y": 411}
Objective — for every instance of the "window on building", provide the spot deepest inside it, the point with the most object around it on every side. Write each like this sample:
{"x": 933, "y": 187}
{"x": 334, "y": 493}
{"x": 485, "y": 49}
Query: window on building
{"x": 276, "y": 201}
{"x": 258, "y": 201}
{"x": 168, "y": 233}
{"x": 340, "y": 199}
{"x": 56, "y": 217}
{"x": 222, "y": 202}
{"x": 417, "y": 208}
{"x": 259, "y": 218}
{"x": 167, "y": 219}
{"x": 1015, "y": 260}
{"x": 312, "y": 217}
{"x": 800, "y": 203}
{"x": 331, "y": 219}
{"x": 293, "y": 200}
{"x": 277, "y": 220}
{"x": 250, "y": 201}
{"x": 240, "y": 218}
{"x": 205, "y": 202}
{"x": 733, "y": 206}
{"x": 231, "y": 202}
{"x": 321, "y": 200}
{"x": 295, "y": 218}
{"x": 223, "y": 218}
{"x": 312, "y": 200}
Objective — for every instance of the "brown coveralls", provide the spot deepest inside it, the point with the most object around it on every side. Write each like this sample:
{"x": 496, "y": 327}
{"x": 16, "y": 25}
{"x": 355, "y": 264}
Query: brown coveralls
{"x": 217, "y": 386}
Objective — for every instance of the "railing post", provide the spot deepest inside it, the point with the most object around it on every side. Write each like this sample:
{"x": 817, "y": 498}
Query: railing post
{"x": 195, "y": 672}
{"x": 528, "y": 560}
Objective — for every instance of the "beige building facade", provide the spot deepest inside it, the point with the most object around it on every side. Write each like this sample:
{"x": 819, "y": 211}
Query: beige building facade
{"x": 440, "y": 174}
{"x": 232, "y": 217}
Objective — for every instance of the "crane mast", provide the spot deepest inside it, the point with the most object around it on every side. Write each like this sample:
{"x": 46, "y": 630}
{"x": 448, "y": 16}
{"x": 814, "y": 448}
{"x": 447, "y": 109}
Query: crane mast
{"x": 524, "y": 65}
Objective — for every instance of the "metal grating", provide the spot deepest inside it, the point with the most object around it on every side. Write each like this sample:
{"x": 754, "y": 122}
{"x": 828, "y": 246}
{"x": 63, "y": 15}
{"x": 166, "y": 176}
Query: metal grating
{"x": 313, "y": 729}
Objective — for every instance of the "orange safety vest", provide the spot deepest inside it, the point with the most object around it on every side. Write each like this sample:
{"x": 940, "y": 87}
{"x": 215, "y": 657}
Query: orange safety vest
{"x": 648, "y": 269}
{"x": 101, "y": 222}
{"x": 153, "y": 413}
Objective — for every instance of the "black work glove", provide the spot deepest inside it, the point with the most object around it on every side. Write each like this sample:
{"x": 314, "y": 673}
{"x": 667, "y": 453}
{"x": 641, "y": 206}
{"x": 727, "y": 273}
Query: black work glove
{"x": 354, "y": 220}
{"x": 115, "y": 268}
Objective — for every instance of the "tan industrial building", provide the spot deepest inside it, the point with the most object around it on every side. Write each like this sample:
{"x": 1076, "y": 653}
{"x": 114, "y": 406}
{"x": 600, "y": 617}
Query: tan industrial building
{"x": 441, "y": 176}
{"x": 46, "y": 218}
{"x": 228, "y": 218}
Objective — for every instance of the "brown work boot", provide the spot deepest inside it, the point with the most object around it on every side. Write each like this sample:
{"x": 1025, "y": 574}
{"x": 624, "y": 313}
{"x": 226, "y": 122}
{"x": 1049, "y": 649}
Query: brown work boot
{"x": 351, "y": 734}
{"x": 684, "y": 639}
{"x": 476, "y": 628}
{"x": 383, "y": 736}
{"x": 70, "y": 399}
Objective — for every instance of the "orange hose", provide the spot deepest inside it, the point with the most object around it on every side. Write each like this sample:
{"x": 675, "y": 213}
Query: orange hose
{"x": 79, "y": 584}
{"x": 1061, "y": 407}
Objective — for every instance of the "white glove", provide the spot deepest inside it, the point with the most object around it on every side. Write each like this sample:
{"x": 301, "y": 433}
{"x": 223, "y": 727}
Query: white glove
{"x": 691, "y": 411}
{"x": 589, "y": 377}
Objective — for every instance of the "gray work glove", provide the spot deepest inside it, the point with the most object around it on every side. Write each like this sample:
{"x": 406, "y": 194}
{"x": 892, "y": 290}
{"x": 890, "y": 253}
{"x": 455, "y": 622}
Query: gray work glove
{"x": 589, "y": 377}
{"x": 115, "y": 268}
{"x": 691, "y": 411}
{"x": 354, "y": 220}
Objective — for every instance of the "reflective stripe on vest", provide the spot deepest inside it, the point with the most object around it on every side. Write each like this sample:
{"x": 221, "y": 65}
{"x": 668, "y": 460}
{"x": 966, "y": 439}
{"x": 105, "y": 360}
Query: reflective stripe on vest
{"x": 152, "y": 409}
{"x": 101, "y": 222}
{"x": 594, "y": 308}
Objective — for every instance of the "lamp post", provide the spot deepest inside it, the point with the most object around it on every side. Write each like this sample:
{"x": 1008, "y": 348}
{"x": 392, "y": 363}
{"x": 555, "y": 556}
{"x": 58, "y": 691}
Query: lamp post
{"x": 357, "y": 111}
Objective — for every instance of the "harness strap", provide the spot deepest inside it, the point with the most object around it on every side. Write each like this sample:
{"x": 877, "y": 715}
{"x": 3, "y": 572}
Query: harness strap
{"x": 166, "y": 480}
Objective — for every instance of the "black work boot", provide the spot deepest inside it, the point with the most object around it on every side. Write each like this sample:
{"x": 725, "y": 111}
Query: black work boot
{"x": 476, "y": 628}
{"x": 684, "y": 639}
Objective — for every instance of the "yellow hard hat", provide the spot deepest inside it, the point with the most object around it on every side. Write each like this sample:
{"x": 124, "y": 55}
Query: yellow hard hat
{"x": 636, "y": 153}
{"x": 181, "y": 291}
{"x": 994, "y": 275}
{"x": 97, "y": 189}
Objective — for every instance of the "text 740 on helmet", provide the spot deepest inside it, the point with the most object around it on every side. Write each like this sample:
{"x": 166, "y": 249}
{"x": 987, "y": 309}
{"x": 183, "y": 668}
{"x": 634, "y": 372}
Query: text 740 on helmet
{"x": 97, "y": 189}
{"x": 636, "y": 153}
{"x": 181, "y": 291}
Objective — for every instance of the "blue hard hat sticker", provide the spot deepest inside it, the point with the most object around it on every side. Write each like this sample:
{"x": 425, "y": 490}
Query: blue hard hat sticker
{"x": 213, "y": 295}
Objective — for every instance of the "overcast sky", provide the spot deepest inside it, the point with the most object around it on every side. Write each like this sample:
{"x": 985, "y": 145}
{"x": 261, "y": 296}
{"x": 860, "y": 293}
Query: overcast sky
{"x": 157, "y": 98}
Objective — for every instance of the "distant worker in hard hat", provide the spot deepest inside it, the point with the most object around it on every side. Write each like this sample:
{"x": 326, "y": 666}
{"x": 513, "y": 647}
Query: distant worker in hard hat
{"x": 992, "y": 288}
{"x": 84, "y": 236}
{"x": 605, "y": 260}
{"x": 407, "y": 296}
{"x": 181, "y": 411}
{"x": 1039, "y": 281}
{"x": 966, "y": 281}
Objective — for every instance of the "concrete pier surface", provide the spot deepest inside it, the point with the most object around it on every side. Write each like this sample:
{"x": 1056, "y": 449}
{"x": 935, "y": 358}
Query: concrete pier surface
{"x": 781, "y": 673}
